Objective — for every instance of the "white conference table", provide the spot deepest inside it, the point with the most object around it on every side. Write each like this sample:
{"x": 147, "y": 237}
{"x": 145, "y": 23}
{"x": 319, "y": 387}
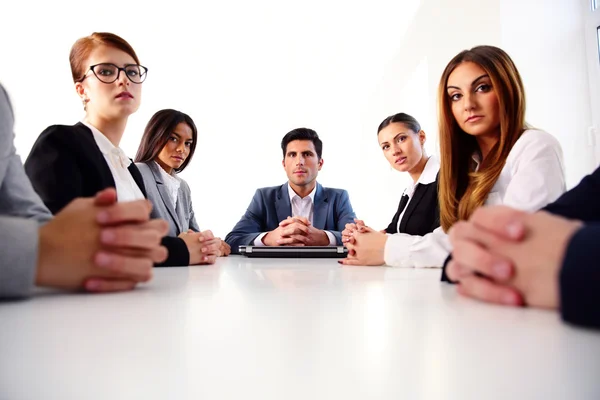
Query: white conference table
{"x": 290, "y": 329}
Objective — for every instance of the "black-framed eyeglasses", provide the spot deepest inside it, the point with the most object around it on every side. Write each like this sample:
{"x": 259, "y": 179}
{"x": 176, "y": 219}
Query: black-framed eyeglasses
{"x": 109, "y": 73}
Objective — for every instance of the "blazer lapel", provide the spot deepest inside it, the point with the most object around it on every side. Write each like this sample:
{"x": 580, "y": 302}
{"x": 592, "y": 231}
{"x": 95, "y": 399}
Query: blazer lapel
{"x": 164, "y": 194}
{"x": 181, "y": 211}
{"x": 320, "y": 208}
{"x": 393, "y": 227}
{"x": 90, "y": 151}
{"x": 414, "y": 201}
{"x": 137, "y": 177}
{"x": 283, "y": 206}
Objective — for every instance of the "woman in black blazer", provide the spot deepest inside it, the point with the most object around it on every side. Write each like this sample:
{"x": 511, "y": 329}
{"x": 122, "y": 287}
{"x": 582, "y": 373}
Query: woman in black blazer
{"x": 401, "y": 139}
{"x": 78, "y": 161}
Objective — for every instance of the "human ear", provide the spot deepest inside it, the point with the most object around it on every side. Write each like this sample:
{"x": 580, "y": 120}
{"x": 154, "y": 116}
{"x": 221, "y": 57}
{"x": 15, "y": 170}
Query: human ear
{"x": 422, "y": 137}
{"x": 82, "y": 94}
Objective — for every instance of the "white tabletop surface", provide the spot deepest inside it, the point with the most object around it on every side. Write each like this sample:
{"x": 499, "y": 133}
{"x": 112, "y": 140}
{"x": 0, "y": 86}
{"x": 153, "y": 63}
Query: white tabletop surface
{"x": 290, "y": 329}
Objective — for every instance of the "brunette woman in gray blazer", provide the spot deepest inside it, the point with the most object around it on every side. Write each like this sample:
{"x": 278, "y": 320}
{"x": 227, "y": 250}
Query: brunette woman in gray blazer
{"x": 166, "y": 149}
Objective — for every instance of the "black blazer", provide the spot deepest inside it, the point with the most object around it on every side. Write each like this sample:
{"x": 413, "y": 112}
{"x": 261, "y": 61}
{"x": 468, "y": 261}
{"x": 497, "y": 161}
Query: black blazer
{"x": 579, "y": 278}
{"x": 65, "y": 163}
{"x": 580, "y": 273}
{"x": 422, "y": 214}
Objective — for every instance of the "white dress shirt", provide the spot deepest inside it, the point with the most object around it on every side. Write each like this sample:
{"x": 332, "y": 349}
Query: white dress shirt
{"x": 118, "y": 162}
{"x": 532, "y": 177}
{"x": 427, "y": 176}
{"x": 172, "y": 182}
{"x": 301, "y": 207}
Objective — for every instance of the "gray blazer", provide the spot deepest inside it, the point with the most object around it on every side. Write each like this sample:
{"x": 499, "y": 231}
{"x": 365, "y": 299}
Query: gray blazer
{"x": 271, "y": 205}
{"x": 182, "y": 217}
{"x": 21, "y": 213}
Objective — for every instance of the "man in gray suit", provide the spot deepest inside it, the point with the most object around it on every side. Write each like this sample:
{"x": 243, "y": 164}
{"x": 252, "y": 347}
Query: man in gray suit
{"x": 94, "y": 244}
{"x": 300, "y": 212}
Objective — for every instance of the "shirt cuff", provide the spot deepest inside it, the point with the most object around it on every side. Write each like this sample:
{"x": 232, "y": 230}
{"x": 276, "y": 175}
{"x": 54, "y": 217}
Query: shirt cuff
{"x": 396, "y": 252}
{"x": 258, "y": 241}
{"x": 429, "y": 251}
{"x": 332, "y": 239}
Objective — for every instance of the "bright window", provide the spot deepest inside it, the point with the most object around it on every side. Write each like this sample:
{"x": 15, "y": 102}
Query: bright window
{"x": 598, "y": 38}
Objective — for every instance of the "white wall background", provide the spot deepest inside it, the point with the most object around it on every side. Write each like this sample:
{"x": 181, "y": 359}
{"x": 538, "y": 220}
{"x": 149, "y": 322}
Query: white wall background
{"x": 248, "y": 72}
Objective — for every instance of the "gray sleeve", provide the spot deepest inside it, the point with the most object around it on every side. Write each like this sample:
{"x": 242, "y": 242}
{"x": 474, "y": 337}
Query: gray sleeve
{"x": 192, "y": 222}
{"x": 21, "y": 213}
{"x": 17, "y": 196}
{"x": 18, "y": 256}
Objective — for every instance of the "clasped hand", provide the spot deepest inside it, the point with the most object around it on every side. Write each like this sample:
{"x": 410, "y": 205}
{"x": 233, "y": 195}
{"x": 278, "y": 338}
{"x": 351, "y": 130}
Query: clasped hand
{"x": 296, "y": 231}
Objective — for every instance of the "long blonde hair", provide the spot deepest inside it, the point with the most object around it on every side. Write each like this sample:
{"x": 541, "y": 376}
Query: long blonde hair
{"x": 461, "y": 190}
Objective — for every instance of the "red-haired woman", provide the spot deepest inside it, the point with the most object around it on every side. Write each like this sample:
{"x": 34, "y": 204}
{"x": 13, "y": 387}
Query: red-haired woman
{"x": 69, "y": 161}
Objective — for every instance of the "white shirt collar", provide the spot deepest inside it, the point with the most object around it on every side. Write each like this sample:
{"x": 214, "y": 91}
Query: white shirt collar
{"x": 174, "y": 179}
{"x": 172, "y": 183}
{"x": 106, "y": 146}
{"x": 427, "y": 176}
{"x": 293, "y": 194}
{"x": 430, "y": 171}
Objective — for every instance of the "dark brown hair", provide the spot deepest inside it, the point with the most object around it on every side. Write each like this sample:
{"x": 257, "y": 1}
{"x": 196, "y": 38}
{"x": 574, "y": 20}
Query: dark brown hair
{"x": 302, "y": 134}
{"x": 157, "y": 133}
{"x": 409, "y": 121}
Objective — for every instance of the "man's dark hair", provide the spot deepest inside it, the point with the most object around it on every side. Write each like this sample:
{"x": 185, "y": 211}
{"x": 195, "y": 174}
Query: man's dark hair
{"x": 302, "y": 134}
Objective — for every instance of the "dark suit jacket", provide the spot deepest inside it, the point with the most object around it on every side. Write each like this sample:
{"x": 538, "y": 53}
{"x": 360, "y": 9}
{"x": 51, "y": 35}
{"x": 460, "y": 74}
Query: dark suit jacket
{"x": 65, "y": 163}
{"x": 580, "y": 273}
{"x": 422, "y": 214}
{"x": 332, "y": 211}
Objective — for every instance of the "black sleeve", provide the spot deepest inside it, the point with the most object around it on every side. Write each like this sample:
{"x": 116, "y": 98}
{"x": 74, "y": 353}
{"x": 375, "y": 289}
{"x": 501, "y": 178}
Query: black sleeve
{"x": 580, "y": 278}
{"x": 53, "y": 171}
{"x": 444, "y": 276}
{"x": 581, "y": 202}
{"x": 391, "y": 229}
{"x": 179, "y": 256}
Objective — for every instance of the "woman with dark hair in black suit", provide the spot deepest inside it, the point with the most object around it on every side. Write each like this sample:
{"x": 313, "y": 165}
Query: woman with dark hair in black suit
{"x": 401, "y": 139}
{"x": 80, "y": 160}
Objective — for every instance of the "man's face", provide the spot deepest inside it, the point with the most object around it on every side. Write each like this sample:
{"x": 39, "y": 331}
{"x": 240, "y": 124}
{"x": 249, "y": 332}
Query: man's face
{"x": 301, "y": 163}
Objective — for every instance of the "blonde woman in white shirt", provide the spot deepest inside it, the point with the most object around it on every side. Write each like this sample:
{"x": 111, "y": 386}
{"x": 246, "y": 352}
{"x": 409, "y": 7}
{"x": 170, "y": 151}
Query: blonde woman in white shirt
{"x": 488, "y": 156}
{"x": 166, "y": 148}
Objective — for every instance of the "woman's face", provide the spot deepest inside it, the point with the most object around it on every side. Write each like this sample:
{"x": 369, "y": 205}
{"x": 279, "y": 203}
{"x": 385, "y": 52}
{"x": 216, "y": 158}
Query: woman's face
{"x": 177, "y": 149}
{"x": 401, "y": 146}
{"x": 473, "y": 100}
{"x": 119, "y": 99}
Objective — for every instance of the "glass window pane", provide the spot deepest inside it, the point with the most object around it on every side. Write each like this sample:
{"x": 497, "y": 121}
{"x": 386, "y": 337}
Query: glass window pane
{"x": 598, "y": 39}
